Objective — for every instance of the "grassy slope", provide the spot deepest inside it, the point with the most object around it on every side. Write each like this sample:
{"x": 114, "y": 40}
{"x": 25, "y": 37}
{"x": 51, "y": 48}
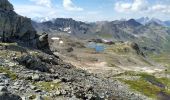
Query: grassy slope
{"x": 147, "y": 84}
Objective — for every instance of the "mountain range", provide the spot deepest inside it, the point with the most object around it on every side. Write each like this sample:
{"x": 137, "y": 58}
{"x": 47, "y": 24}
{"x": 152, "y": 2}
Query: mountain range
{"x": 145, "y": 20}
{"x": 150, "y": 33}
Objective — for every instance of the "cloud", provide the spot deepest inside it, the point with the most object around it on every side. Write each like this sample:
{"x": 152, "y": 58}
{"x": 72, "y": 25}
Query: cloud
{"x": 160, "y": 8}
{"x": 47, "y": 3}
{"x": 36, "y": 11}
{"x": 142, "y": 6}
{"x": 136, "y": 5}
{"x": 69, "y": 5}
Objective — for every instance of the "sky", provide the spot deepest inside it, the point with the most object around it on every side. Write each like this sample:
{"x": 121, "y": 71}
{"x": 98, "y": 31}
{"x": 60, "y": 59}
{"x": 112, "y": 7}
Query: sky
{"x": 93, "y": 10}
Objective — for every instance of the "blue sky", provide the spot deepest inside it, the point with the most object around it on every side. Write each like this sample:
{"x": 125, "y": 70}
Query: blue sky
{"x": 93, "y": 10}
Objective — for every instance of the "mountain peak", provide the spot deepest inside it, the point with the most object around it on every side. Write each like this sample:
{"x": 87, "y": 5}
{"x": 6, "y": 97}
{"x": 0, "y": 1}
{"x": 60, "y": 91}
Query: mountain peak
{"x": 6, "y": 5}
{"x": 153, "y": 23}
{"x": 133, "y": 22}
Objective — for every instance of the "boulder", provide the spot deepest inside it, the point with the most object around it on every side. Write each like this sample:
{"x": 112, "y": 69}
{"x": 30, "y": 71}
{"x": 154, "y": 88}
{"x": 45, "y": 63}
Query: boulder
{"x": 33, "y": 63}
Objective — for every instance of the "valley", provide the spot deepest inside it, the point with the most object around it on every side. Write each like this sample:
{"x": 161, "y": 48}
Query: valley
{"x": 65, "y": 59}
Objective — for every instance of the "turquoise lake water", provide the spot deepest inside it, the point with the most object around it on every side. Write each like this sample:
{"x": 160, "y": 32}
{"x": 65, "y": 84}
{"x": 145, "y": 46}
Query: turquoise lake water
{"x": 98, "y": 47}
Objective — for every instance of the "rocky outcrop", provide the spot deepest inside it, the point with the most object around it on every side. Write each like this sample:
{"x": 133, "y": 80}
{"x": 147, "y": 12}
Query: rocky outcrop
{"x": 15, "y": 28}
{"x": 5, "y": 5}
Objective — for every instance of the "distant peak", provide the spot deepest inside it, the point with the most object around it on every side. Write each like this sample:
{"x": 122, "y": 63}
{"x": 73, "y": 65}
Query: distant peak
{"x": 133, "y": 22}
{"x": 153, "y": 23}
{"x": 6, "y": 5}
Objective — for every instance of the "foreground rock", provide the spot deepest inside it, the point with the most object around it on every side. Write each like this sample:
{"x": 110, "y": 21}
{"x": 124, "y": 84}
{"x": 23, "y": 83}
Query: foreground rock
{"x": 15, "y": 28}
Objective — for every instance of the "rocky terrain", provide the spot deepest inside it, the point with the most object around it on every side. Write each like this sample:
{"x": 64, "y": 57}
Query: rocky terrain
{"x": 61, "y": 65}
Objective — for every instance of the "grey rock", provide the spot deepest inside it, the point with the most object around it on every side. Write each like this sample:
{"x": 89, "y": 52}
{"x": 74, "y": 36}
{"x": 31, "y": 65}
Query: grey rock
{"x": 25, "y": 98}
{"x": 9, "y": 96}
{"x": 38, "y": 90}
{"x": 58, "y": 92}
{"x": 33, "y": 63}
{"x": 5, "y": 95}
{"x": 36, "y": 77}
{"x": 5, "y": 5}
{"x": 3, "y": 89}
{"x": 33, "y": 87}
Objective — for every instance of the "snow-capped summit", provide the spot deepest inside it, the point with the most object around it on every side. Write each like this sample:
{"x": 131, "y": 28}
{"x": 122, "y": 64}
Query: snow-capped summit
{"x": 41, "y": 19}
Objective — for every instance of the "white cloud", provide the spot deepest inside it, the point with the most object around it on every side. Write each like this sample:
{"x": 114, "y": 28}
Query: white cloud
{"x": 36, "y": 11}
{"x": 143, "y": 6}
{"x": 47, "y": 3}
{"x": 136, "y": 5}
{"x": 160, "y": 8}
{"x": 69, "y": 5}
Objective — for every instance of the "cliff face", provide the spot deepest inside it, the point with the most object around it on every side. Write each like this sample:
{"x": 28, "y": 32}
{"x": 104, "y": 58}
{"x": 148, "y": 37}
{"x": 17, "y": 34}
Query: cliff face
{"x": 5, "y": 5}
{"x": 16, "y": 28}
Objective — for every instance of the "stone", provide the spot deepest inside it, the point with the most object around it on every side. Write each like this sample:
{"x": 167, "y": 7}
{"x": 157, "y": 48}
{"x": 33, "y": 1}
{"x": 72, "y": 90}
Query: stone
{"x": 33, "y": 87}
{"x": 39, "y": 98}
{"x": 58, "y": 92}
{"x": 36, "y": 77}
{"x": 56, "y": 81}
{"x": 11, "y": 64}
{"x": 25, "y": 98}
{"x": 33, "y": 63}
{"x": 9, "y": 96}
{"x": 3, "y": 89}
{"x": 38, "y": 90}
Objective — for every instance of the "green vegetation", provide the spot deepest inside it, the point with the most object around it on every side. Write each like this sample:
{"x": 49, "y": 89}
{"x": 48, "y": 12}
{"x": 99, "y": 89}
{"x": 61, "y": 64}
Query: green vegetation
{"x": 163, "y": 58}
{"x": 47, "y": 98}
{"x": 48, "y": 86}
{"x": 8, "y": 44}
{"x": 119, "y": 48}
{"x": 144, "y": 87}
{"x": 11, "y": 74}
{"x": 32, "y": 97}
{"x": 147, "y": 84}
{"x": 107, "y": 36}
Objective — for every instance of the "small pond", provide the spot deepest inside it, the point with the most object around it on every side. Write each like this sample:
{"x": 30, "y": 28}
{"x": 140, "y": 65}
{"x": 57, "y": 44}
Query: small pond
{"x": 97, "y": 46}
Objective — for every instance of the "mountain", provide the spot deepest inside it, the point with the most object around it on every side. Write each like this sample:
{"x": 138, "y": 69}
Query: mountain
{"x": 145, "y": 20}
{"x": 167, "y": 23}
{"x": 41, "y": 19}
{"x": 119, "y": 30}
{"x": 64, "y": 25}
